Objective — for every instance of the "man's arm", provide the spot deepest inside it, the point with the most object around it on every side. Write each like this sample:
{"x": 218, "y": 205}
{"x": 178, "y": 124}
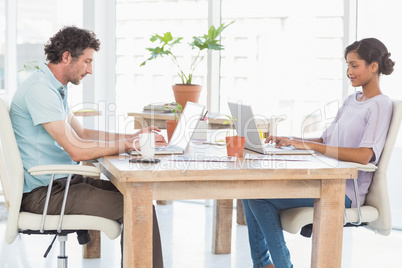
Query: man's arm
{"x": 81, "y": 149}
{"x": 91, "y": 134}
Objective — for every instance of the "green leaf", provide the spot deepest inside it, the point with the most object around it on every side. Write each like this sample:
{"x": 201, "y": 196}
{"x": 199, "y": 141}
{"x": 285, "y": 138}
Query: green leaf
{"x": 175, "y": 108}
{"x": 207, "y": 41}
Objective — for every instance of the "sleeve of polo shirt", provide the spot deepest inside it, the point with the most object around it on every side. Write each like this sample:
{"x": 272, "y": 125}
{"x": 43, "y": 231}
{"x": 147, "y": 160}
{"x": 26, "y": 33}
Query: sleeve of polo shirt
{"x": 44, "y": 104}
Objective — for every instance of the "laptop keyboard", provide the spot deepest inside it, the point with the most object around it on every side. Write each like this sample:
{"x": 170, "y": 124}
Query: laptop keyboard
{"x": 169, "y": 147}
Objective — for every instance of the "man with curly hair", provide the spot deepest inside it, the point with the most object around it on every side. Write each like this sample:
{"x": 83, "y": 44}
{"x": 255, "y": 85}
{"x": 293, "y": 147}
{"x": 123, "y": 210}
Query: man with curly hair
{"x": 47, "y": 133}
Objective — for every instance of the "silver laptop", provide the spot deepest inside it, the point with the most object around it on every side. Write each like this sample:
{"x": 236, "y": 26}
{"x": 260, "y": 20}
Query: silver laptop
{"x": 246, "y": 126}
{"x": 184, "y": 131}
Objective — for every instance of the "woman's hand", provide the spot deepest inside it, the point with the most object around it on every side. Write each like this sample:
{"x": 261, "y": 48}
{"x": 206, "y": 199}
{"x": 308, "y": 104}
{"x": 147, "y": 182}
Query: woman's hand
{"x": 274, "y": 139}
{"x": 298, "y": 144}
{"x": 287, "y": 141}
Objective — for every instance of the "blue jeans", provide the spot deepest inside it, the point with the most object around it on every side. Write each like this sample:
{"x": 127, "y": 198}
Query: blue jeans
{"x": 265, "y": 231}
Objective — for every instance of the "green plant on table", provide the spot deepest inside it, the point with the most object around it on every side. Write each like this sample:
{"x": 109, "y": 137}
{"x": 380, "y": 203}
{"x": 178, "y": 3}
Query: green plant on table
{"x": 175, "y": 108}
{"x": 203, "y": 43}
{"x": 230, "y": 121}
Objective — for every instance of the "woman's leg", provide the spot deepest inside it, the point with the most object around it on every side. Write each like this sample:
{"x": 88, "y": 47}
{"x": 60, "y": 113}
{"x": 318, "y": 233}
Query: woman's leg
{"x": 265, "y": 213}
{"x": 258, "y": 244}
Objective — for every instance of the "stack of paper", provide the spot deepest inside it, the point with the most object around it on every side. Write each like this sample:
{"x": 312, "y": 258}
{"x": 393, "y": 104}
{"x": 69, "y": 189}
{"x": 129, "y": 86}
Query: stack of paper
{"x": 158, "y": 107}
{"x": 271, "y": 157}
{"x": 203, "y": 158}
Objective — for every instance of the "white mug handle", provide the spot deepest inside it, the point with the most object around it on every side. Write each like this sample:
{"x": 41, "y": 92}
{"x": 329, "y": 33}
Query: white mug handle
{"x": 135, "y": 146}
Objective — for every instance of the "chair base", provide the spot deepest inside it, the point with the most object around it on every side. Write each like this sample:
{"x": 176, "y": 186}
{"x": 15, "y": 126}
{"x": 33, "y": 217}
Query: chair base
{"x": 62, "y": 262}
{"x": 82, "y": 235}
{"x": 307, "y": 230}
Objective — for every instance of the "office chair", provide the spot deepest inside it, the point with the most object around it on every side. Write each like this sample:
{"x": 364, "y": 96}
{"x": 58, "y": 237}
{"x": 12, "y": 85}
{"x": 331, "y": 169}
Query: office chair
{"x": 12, "y": 175}
{"x": 375, "y": 214}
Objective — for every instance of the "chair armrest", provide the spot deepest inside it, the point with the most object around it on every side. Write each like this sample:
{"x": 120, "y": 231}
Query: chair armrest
{"x": 65, "y": 169}
{"x": 368, "y": 167}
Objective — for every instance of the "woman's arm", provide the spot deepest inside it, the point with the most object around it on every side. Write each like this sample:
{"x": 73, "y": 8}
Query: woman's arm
{"x": 360, "y": 155}
{"x": 274, "y": 139}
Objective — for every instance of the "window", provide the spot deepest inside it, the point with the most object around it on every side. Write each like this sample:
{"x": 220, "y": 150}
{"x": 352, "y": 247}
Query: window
{"x": 136, "y": 21}
{"x": 2, "y": 43}
{"x": 283, "y": 58}
{"x": 386, "y": 16}
{"x": 280, "y": 56}
{"x": 378, "y": 21}
{"x": 37, "y": 22}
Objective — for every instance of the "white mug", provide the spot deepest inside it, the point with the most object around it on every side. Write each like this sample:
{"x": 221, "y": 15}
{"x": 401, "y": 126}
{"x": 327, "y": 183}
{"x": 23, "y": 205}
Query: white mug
{"x": 147, "y": 145}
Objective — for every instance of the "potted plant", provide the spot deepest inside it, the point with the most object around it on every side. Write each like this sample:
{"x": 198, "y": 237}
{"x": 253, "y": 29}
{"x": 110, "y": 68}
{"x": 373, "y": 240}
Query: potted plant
{"x": 186, "y": 91}
{"x": 234, "y": 144}
{"x": 176, "y": 109}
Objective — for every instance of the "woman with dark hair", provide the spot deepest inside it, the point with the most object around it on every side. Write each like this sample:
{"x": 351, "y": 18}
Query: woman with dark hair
{"x": 357, "y": 134}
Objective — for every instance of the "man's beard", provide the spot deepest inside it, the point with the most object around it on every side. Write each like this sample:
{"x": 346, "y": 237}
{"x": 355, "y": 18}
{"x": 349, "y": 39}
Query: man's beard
{"x": 75, "y": 82}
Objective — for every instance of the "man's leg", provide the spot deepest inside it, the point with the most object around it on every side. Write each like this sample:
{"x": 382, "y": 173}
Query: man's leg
{"x": 88, "y": 196}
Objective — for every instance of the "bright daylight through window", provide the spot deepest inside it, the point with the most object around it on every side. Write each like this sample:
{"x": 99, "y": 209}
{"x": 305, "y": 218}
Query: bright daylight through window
{"x": 279, "y": 56}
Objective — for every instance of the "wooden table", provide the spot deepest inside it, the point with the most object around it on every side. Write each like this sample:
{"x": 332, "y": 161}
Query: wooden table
{"x": 140, "y": 184}
{"x": 87, "y": 112}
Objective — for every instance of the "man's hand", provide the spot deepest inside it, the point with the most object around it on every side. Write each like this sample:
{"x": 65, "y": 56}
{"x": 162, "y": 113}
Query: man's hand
{"x": 159, "y": 139}
{"x": 148, "y": 129}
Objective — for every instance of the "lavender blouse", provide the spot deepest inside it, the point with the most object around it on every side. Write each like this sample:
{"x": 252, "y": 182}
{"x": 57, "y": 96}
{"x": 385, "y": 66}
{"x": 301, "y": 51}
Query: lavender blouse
{"x": 360, "y": 124}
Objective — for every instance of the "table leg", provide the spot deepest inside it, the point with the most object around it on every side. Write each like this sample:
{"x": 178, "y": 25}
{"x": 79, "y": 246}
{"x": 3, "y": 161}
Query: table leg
{"x": 139, "y": 122}
{"x": 328, "y": 225}
{"x": 164, "y": 202}
{"x": 137, "y": 227}
{"x": 222, "y": 226}
{"x": 241, "y": 218}
{"x": 92, "y": 250}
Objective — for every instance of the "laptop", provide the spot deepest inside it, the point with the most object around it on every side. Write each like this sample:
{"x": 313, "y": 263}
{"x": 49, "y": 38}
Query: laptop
{"x": 184, "y": 131}
{"x": 246, "y": 126}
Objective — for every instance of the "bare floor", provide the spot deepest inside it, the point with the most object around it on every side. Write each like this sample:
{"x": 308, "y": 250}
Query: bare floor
{"x": 186, "y": 229}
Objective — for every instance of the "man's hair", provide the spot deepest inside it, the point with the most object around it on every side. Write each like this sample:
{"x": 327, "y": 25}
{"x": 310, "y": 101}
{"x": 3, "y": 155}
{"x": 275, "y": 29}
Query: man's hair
{"x": 71, "y": 39}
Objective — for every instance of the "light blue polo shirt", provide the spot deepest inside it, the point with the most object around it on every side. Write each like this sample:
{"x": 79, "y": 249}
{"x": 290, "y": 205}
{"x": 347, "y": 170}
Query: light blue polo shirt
{"x": 39, "y": 101}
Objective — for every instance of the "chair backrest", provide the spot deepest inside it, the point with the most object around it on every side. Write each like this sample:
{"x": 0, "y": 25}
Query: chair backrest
{"x": 12, "y": 171}
{"x": 378, "y": 193}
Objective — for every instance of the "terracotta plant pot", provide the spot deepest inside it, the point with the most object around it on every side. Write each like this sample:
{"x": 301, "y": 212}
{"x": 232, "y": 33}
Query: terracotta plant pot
{"x": 235, "y": 145}
{"x": 184, "y": 93}
{"x": 170, "y": 127}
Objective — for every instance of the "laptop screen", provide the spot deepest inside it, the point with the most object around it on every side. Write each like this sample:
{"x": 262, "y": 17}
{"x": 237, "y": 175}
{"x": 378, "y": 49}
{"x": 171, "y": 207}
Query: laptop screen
{"x": 187, "y": 124}
{"x": 246, "y": 125}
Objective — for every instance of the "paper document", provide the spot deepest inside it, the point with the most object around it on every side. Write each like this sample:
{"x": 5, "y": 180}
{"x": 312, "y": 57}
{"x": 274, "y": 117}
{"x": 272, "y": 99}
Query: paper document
{"x": 159, "y": 107}
{"x": 278, "y": 157}
{"x": 203, "y": 158}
